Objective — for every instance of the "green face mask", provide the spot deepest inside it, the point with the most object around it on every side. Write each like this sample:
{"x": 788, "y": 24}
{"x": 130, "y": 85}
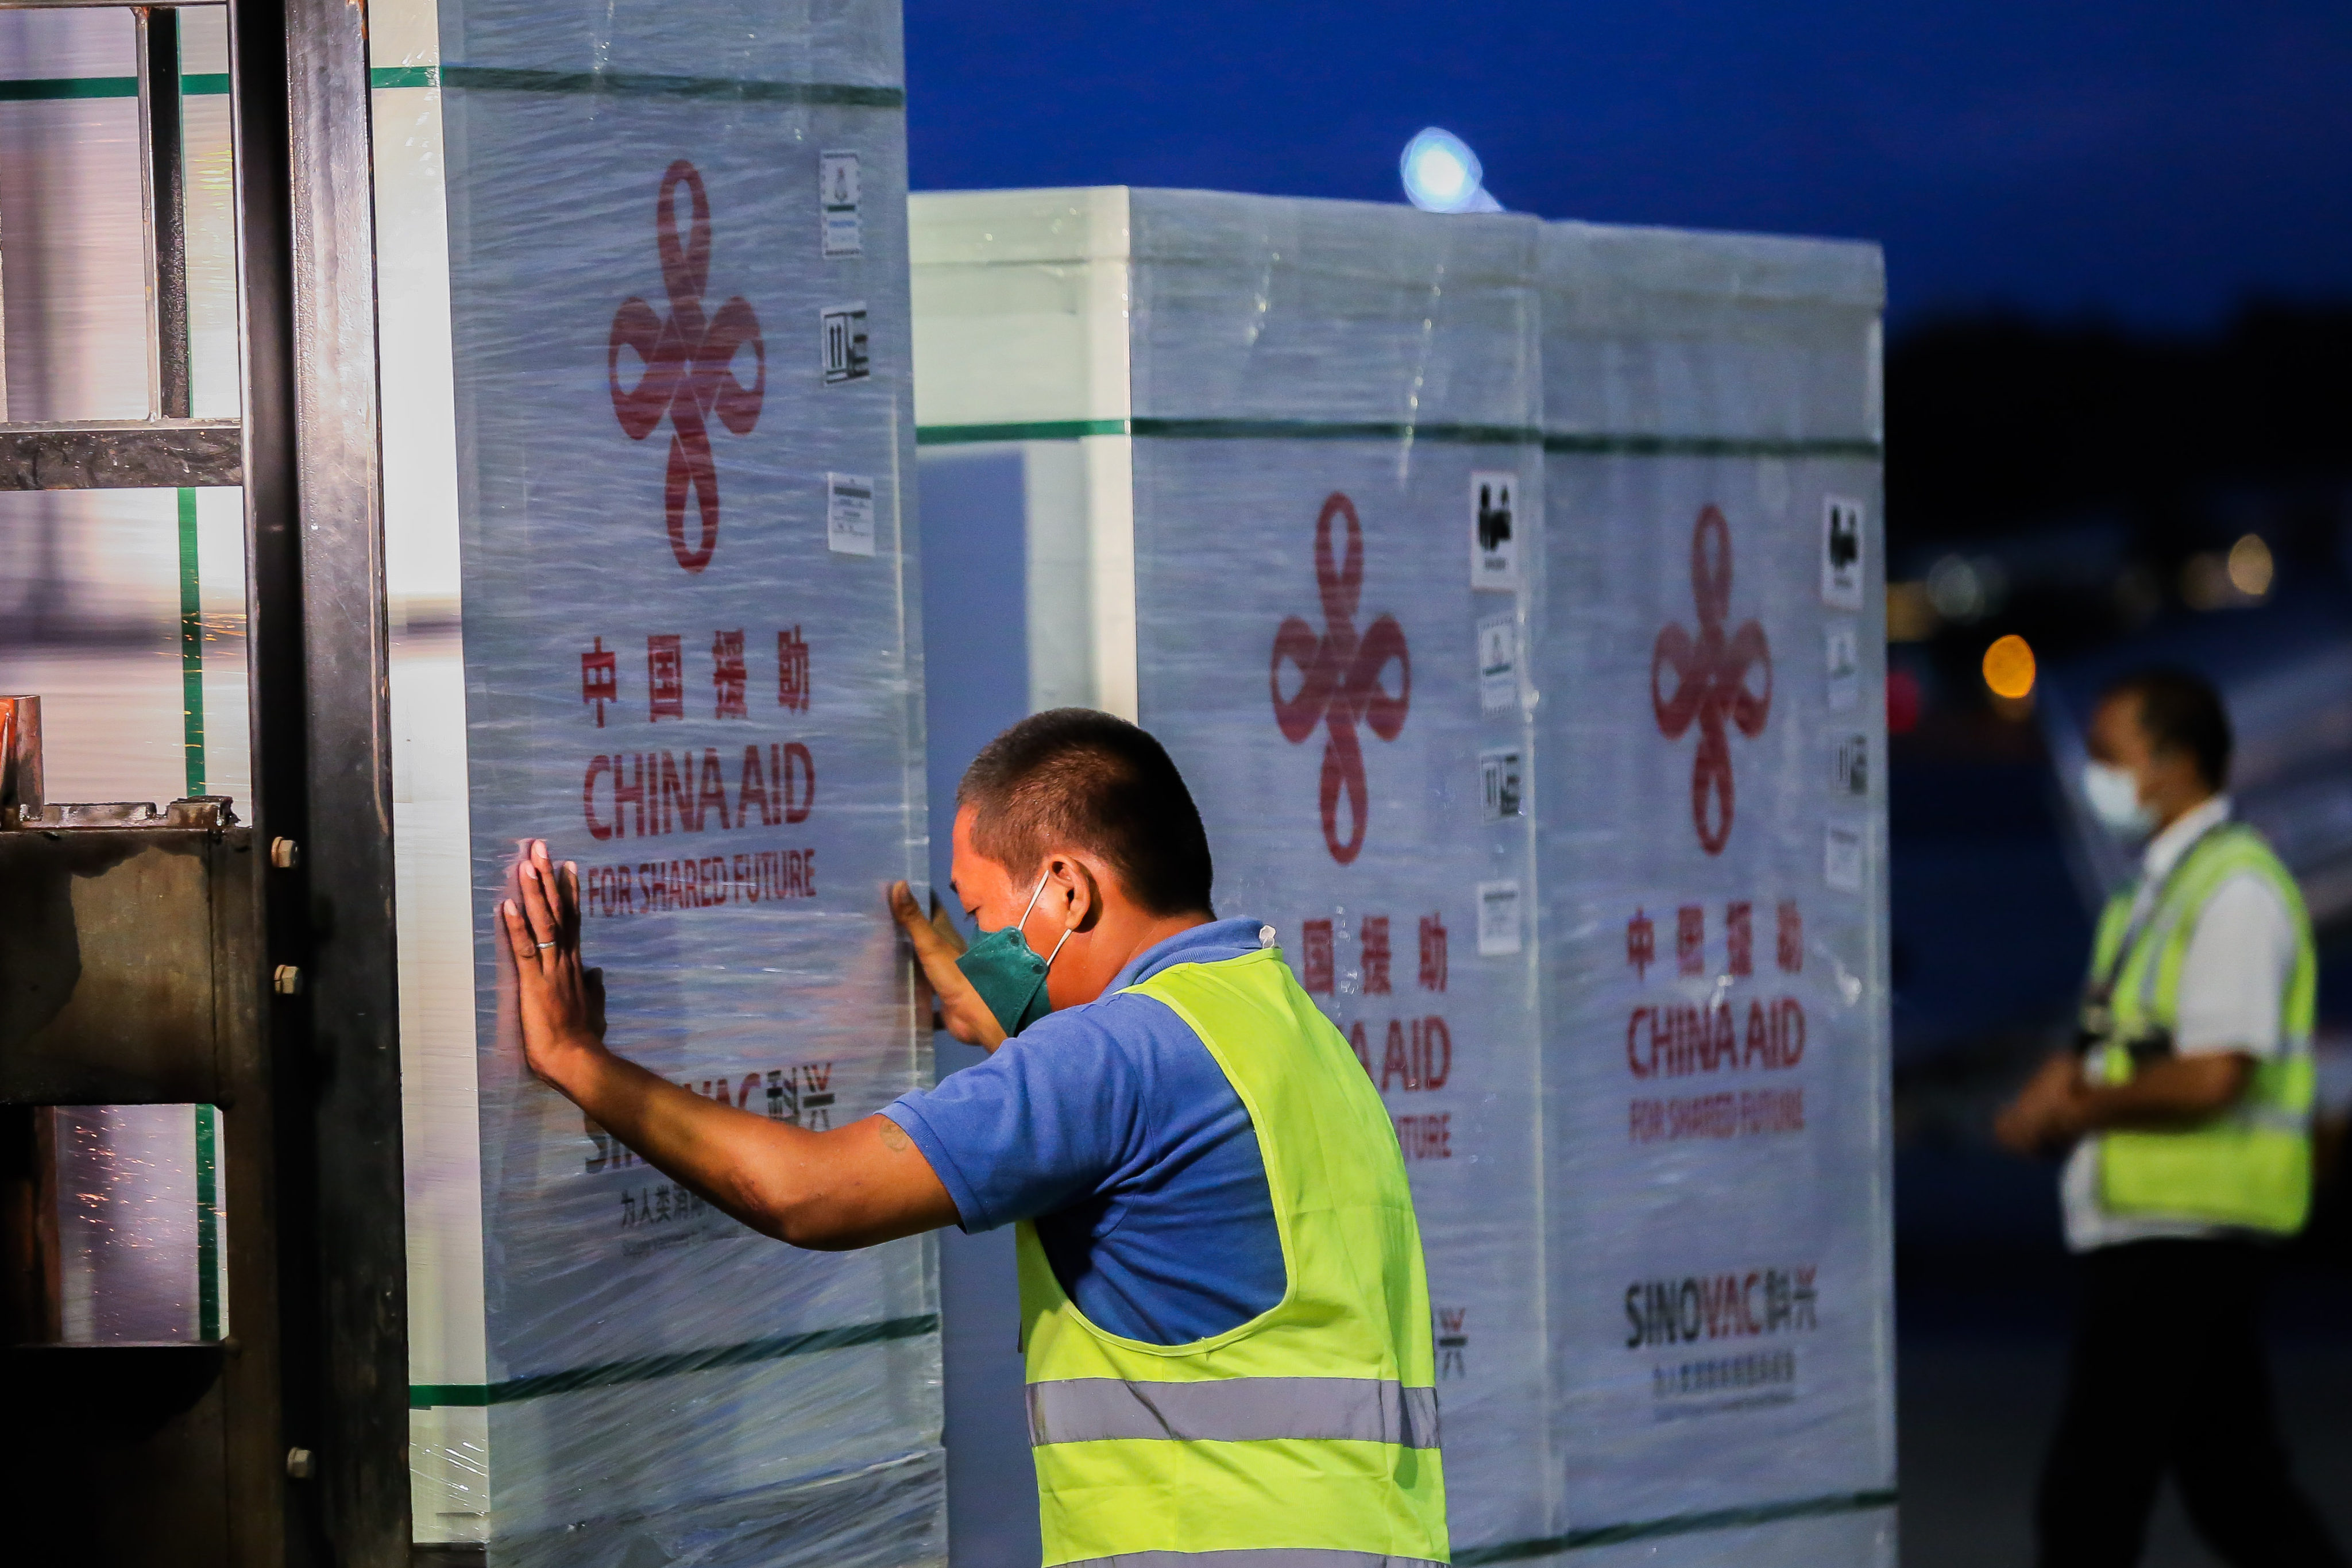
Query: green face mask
{"x": 1008, "y": 973}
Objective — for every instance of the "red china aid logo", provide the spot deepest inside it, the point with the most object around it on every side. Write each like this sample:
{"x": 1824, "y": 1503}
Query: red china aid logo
{"x": 1711, "y": 674}
{"x": 1339, "y": 678}
{"x": 689, "y": 372}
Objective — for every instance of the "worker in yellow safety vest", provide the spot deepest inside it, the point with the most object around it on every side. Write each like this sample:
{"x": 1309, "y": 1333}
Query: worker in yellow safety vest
{"x": 2184, "y": 1110}
{"x": 1223, "y": 1306}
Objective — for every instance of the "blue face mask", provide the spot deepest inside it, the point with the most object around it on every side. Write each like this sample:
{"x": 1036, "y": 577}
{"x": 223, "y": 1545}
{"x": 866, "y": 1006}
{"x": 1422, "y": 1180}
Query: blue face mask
{"x": 2112, "y": 794}
{"x": 1008, "y": 973}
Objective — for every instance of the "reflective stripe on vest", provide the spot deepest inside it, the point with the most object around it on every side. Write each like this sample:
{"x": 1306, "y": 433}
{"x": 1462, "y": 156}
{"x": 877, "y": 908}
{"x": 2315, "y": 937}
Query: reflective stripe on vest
{"x": 2249, "y": 1167}
{"x": 1234, "y": 1410}
{"x": 1305, "y": 1437}
{"x": 1256, "y": 1557}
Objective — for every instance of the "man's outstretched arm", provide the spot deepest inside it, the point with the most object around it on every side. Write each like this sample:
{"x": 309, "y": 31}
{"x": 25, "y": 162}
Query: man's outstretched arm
{"x": 855, "y": 1186}
{"x": 2057, "y": 1108}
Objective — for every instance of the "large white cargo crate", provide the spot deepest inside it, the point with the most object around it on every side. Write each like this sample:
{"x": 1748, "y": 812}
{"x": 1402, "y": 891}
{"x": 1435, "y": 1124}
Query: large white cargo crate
{"x": 1384, "y": 522}
{"x": 649, "y": 562}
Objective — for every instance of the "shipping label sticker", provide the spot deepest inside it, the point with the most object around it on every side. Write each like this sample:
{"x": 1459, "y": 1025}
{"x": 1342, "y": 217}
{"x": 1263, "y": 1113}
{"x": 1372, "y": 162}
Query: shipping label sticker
{"x": 843, "y": 346}
{"x": 1499, "y": 664}
{"x": 1452, "y": 1342}
{"x": 1842, "y": 643}
{"x": 1842, "y": 563}
{"x": 850, "y": 514}
{"x": 836, "y": 190}
{"x": 1498, "y": 784}
{"x": 1498, "y": 919}
{"x": 1842, "y": 859}
{"x": 1851, "y": 773}
{"x": 1494, "y": 530}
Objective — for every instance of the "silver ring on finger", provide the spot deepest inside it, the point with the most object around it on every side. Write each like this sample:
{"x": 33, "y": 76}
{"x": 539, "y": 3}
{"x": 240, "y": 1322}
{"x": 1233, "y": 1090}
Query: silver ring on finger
{"x": 545, "y": 946}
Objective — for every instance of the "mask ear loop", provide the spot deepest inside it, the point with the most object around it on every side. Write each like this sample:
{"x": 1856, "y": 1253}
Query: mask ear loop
{"x": 1023, "y": 926}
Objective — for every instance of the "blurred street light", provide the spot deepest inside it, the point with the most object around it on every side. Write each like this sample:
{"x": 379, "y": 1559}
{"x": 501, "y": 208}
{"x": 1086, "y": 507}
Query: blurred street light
{"x": 1966, "y": 591}
{"x": 2008, "y": 667}
{"x": 1442, "y": 175}
{"x": 2251, "y": 567}
{"x": 1905, "y": 700}
{"x": 2213, "y": 580}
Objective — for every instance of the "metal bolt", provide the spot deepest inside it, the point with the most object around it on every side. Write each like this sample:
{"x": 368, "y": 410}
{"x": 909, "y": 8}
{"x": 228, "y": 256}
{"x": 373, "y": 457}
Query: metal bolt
{"x": 285, "y": 854}
{"x": 297, "y": 1464}
{"x": 287, "y": 981}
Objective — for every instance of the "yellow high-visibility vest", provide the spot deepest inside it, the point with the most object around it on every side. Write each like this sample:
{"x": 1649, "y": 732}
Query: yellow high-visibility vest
{"x": 1305, "y": 1437}
{"x": 2249, "y": 1165}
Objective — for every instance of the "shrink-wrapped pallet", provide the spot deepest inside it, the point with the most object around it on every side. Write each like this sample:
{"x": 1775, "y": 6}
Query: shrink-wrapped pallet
{"x": 1711, "y": 744}
{"x": 1285, "y": 479}
{"x": 1279, "y": 470}
{"x": 647, "y": 423}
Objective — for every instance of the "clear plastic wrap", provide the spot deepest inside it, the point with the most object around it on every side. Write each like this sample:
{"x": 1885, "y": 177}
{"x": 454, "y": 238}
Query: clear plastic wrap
{"x": 1713, "y": 865}
{"x": 1375, "y": 518}
{"x": 646, "y": 413}
{"x": 1307, "y": 631}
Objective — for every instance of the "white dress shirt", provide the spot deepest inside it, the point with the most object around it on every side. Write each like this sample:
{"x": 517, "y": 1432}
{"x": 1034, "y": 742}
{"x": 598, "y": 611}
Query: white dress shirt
{"x": 2232, "y": 983}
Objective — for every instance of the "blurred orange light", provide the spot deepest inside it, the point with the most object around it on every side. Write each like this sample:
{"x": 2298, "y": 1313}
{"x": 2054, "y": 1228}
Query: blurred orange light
{"x": 2008, "y": 667}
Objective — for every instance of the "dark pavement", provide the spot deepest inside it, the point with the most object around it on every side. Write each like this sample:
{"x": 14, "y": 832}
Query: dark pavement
{"x": 1980, "y": 1383}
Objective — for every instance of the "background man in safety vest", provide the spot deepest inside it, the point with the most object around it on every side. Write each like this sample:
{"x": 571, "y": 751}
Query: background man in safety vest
{"x": 2187, "y": 1108}
{"x": 1222, "y": 1302}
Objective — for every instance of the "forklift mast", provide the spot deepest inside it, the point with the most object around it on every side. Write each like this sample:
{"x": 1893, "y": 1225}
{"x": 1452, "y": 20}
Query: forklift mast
{"x": 233, "y": 956}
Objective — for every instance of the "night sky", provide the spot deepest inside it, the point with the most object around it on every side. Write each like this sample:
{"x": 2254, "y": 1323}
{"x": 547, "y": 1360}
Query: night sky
{"x": 2150, "y": 165}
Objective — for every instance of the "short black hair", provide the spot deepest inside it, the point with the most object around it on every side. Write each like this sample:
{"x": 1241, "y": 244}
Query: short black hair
{"x": 2181, "y": 711}
{"x": 1094, "y": 782}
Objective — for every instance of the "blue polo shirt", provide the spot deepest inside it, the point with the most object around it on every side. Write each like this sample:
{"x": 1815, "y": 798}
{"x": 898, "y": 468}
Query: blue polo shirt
{"x": 1113, "y": 1127}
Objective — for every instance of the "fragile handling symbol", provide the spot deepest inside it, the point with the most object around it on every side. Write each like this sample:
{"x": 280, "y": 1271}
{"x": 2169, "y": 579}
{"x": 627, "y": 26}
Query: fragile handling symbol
{"x": 688, "y": 367}
{"x": 1340, "y": 678}
{"x": 1711, "y": 681}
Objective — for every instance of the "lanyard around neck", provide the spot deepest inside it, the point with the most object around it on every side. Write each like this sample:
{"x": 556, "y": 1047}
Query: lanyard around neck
{"x": 2103, "y": 986}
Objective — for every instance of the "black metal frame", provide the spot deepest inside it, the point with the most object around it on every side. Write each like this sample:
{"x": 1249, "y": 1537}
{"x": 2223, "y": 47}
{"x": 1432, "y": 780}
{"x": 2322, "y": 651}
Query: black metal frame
{"x": 194, "y": 1429}
{"x": 167, "y": 449}
{"x": 167, "y": 209}
{"x": 328, "y": 1219}
{"x": 321, "y": 685}
{"x": 121, "y": 454}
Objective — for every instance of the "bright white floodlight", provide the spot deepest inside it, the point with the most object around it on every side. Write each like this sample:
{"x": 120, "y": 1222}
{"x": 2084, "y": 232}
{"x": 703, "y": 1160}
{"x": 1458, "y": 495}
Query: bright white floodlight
{"x": 1442, "y": 175}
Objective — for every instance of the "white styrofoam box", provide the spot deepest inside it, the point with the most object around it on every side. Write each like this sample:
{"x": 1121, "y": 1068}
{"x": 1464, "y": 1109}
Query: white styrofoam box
{"x": 1273, "y": 454}
{"x": 647, "y": 418}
